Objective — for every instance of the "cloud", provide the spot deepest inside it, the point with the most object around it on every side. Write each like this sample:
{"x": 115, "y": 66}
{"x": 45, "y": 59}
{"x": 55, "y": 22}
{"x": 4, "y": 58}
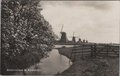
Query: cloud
{"x": 95, "y": 4}
{"x": 92, "y": 20}
{"x": 98, "y": 4}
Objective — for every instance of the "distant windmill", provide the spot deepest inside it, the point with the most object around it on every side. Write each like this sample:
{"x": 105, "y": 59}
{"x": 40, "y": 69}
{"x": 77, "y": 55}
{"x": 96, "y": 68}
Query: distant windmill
{"x": 63, "y": 38}
{"x": 73, "y": 38}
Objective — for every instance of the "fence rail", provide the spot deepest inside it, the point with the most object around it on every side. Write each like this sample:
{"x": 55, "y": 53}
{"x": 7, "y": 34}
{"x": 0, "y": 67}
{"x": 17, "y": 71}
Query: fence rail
{"x": 95, "y": 50}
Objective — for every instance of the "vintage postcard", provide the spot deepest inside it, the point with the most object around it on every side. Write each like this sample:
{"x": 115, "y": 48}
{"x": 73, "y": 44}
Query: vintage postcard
{"x": 60, "y": 37}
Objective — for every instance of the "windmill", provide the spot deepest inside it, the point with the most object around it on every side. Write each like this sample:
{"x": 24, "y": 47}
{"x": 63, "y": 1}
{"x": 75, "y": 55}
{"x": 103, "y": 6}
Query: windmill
{"x": 78, "y": 38}
{"x": 63, "y": 38}
{"x": 74, "y": 38}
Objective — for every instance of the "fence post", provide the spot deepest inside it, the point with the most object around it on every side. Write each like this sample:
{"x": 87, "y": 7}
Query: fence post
{"x": 91, "y": 50}
{"x": 72, "y": 55}
{"x": 82, "y": 50}
{"x": 24, "y": 72}
{"x": 107, "y": 46}
{"x": 94, "y": 50}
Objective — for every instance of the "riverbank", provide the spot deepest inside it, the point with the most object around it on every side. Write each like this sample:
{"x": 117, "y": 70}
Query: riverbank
{"x": 91, "y": 67}
{"x": 51, "y": 65}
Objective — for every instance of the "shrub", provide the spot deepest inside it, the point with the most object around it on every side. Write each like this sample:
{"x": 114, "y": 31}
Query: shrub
{"x": 26, "y": 35}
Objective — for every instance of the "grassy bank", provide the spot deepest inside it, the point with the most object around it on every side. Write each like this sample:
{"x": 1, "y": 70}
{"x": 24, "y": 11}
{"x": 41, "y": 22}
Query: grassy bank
{"x": 91, "y": 66}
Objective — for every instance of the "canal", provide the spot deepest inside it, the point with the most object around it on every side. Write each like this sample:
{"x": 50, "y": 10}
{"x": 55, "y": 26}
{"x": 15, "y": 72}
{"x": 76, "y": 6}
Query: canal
{"x": 51, "y": 65}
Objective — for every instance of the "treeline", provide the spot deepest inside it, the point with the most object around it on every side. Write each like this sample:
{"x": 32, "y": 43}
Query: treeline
{"x": 26, "y": 36}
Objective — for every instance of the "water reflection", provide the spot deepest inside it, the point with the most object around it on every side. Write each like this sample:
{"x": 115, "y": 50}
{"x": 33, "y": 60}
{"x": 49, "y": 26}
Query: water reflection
{"x": 54, "y": 63}
{"x": 51, "y": 65}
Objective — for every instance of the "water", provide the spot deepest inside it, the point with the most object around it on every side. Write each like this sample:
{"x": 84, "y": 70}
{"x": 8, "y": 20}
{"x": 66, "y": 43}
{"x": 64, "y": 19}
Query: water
{"x": 51, "y": 65}
{"x": 59, "y": 46}
{"x": 54, "y": 63}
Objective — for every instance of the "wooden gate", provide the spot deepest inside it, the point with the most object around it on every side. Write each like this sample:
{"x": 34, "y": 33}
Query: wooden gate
{"x": 95, "y": 50}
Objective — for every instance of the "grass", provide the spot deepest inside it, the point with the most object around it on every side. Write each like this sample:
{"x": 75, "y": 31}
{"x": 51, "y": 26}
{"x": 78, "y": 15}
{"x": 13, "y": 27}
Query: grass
{"x": 104, "y": 66}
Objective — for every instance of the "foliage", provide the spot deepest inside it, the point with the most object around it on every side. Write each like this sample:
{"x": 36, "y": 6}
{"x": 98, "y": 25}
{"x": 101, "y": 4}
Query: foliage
{"x": 26, "y": 35}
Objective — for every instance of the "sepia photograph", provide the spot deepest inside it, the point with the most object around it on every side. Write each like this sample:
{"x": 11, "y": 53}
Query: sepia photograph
{"x": 60, "y": 37}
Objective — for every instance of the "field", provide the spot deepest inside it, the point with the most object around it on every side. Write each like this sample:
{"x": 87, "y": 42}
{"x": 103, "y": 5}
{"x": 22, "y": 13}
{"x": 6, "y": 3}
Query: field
{"x": 88, "y": 66}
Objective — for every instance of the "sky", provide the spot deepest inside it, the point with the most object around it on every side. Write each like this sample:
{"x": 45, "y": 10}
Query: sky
{"x": 96, "y": 21}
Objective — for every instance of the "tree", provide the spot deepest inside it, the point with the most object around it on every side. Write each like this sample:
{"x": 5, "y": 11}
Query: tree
{"x": 26, "y": 35}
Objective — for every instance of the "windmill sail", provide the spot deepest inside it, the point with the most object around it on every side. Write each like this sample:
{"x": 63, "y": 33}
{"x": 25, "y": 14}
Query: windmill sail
{"x": 63, "y": 38}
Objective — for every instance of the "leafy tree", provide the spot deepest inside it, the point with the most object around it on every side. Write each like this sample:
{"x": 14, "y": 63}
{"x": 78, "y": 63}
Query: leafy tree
{"x": 26, "y": 35}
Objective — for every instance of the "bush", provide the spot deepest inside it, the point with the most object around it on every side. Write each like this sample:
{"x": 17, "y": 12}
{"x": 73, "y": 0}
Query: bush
{"x": 26, "y": 35}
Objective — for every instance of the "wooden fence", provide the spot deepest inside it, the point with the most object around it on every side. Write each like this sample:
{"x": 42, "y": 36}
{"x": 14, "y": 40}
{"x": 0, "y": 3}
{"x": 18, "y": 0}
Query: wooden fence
{"x": 95, "y": 50}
